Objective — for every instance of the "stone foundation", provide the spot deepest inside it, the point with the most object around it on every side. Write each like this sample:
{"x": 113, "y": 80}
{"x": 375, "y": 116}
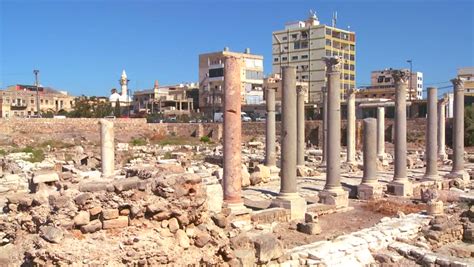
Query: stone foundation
{"x": 338, "y": 199}
{"x": 370, "y": 191}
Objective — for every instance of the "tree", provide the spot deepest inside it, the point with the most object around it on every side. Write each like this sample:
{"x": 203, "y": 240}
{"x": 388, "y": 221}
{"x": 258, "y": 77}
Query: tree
{"x": 117, "y": 111}
{"x": 469, "y": 126}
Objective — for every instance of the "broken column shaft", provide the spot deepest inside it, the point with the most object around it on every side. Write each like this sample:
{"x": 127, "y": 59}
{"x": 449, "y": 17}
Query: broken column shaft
{"x": 381, "y": 132}
{"x": 351, "y": 125}
{"x": 270, "y": 140}
{"x": 300, "y": 143}
{"x": 370, "y": 188}
{"x": 107, "y": 148}
{"x": 442, "y": 130}
{"x": 431, "y": 142}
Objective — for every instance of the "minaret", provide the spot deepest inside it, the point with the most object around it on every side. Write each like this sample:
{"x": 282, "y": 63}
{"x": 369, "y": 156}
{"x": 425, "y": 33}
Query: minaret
{"x": 124, "y": 83}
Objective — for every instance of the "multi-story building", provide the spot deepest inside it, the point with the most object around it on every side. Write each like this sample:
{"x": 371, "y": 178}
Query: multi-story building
{"x": 21, "y": 101}
{"x": 467, "y": 75}
{"x": 168, "y": 100}
{"x": 211, "y": 79}
{"x": 303, "y": 44}
{"x": 382, "y": 85}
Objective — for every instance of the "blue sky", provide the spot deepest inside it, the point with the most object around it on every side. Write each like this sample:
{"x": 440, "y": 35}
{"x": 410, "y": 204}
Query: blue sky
{"x": 82, "y": 46}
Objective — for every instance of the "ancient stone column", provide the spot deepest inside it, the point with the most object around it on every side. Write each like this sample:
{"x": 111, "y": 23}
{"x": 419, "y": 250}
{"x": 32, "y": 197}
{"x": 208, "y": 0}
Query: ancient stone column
{"x": 431, "y": 142}
{"x": 288, "y": 197}
{"x": 400, "y": 185}
{"x": 107, "y": 147}
{"x": 300, "y": 142}
{"x": 370, "y": 188}
{"x": 325, "y": 125}
{"x": 381, "y": 133}
{"x": 232, "y": 135}
{"x": 270, "y": 140}
{"x": 458, "y": 131}
{"x": 351, "y": 125}
{"x": 442, "y": 130}
{"x": 333, "y": 193}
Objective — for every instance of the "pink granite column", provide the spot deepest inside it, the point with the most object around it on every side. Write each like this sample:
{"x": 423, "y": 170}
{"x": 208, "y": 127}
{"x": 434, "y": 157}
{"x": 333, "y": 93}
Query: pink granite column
{"x": 232, "y": 132}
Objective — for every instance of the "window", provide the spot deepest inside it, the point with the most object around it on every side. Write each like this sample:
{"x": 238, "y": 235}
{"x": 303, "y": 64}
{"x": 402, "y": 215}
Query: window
{"x": 304, "y": 56}
{"x": 253, "y": 75}
{"x": 296, "y": 45}
{"x": 387, "y": 79}
{"x": 352, "y": 47}
{"x": 328, "y": 31}
{"x": 284, "y": 38}
{"x": 352, "y": 77}
{"x": 304, "y": 35}
{"x": 294, "y": 58}
{"x": 380, "y": 79}
{"x": 351, "y": 67}
{"x": 294, "y": 36}
{"x": 304, "y": 44}
{"x": 216, "y": 72}
{"x": 328, "y": 53}
{"x": 275, "y": 59}
{"x": 284, "y": 59}
{"x": 328, "y": 42}
{"x": 352, "y": 57}
{"x": 32, "y": 101}
{"x": 304, "y": 77}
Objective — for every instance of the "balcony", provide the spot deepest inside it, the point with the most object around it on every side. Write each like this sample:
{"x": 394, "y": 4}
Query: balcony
{"x": 15, "y": 105}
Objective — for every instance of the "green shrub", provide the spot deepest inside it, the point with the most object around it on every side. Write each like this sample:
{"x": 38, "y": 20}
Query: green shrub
{"x": 167, "y": 155}
{"x": 37, "y": 155}
{"x": 205, "y": 139}
{"x": 2, "y": 152}
{"x": 469, "y": 126}
{"x": 138, "y": 142}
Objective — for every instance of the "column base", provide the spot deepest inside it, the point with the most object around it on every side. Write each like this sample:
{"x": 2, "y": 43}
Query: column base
{"x": 435, "y": 207}
{"x": 292, "y": 202}
{"x": 431, "y": 178}
{"x": 402, "y": 188}
{"x": 337, "y": 197}
{"x": 383, "y": 159}
{"x": 443, "y": 157}
{"x": 236, "y": 209}
{"x": 459, "y": 175}
{"x": 302, "y": 171}
{"x": 368, "y": 191}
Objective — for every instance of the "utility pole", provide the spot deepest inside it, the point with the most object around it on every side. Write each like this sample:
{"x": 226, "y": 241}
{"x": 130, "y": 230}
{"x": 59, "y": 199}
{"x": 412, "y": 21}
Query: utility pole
{"x": 36, "y": 72}
{"x": 410, "y": 91}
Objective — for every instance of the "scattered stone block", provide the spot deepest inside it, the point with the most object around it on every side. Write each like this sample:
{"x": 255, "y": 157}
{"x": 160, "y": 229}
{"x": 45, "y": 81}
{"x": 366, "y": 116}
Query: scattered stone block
{"x": 51, "y": 234}
{"x": 182, "y": 239}
{"x": 127, "y": 184}
{"x": 82, "y": 218}
{"x": 202, "y": 238}
{"x": 45, "y": 177}
{"x": 93, "y": 186}
{"x": 246, "y": 257}
{"x": 82, "y": 199}
{"x": 109, "y": 214}
{"x": 173, "y": 225}
{"x": 309, "y": 228}
{"x": 120, "y": 222}
{"x": 91, "y": 227}
{"x": 267, "y": 248}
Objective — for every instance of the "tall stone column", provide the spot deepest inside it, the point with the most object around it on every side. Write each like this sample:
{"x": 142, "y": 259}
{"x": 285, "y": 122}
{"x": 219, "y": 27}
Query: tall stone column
{"x": 270, "y": 140}
{"x": 107, "y": 147}
{"x": 400, "y": 185}
{"x": 232, "y": 136}
{"x": 370, "y": 188}
{"x": 325, "y": 125}
{"x": 333, "y": 193}
{"x": 442, "y": 130}
{"x": 458, "y": 131}
{"x": 431, "y": 142}
{"x": 381, "y": 133}
{"x": 288, "y": 197}
{"x": 351, "y": 125}
{"x": 300, "y": 143}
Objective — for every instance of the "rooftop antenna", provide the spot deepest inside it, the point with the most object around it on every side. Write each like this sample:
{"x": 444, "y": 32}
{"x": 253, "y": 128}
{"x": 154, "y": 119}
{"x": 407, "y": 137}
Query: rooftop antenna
{"x": 334, "y": 19}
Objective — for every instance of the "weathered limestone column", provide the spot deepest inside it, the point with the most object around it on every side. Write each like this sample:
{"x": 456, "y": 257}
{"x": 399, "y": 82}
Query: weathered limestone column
{"x": 325, "y": 125}
{"x": 288, "y": 197}
{"x": 107, "y": 147}
{"x": 458, "y": 132}
{"x": 431, "y": 142}
{"x": 351, "y": 125}
{"x": 370, "y": 188}
{"x": 400, "y": 185}
{"x": 300, "y": 143}
{"x": 333, "y": 193}
{"x": 232, "y": 136}
{"x": 270, "y": 140}
{"x": 381, "y": 133}
{"x": 442, "y": 130}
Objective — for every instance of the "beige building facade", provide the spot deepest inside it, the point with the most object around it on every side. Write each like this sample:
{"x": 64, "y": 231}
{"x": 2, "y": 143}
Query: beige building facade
{"x": 382, "y": 86}
{"x": 467, "y": 75}
{"x": 303, "y": 44}
{"x": 211, "y": 79}
{"x": 274, "y": 82}
{"x": 20, "y": 101}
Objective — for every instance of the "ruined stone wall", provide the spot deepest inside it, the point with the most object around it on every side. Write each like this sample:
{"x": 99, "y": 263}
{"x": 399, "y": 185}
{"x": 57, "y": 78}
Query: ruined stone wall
{"x": 126, "y": 129}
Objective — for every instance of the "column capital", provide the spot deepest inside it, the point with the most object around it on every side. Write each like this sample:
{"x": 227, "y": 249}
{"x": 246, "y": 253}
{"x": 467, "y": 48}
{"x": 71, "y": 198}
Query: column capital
{"x": 301, "y": 90}
{"x": 458, "y": 83}
{"x": 352, "y": 91}
{"x": 400, "y": 75}
{"x": 333, "y": 64}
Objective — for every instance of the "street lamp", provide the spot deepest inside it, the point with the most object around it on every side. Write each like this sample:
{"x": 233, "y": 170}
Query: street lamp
{"x": 36, "y": 72}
